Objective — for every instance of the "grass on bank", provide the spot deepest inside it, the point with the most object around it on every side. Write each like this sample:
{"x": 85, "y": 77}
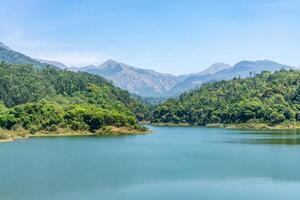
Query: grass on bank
{"x": 10, "y": 135}
{"x": 253, "y": 125}
{"x": 247, "y": 125}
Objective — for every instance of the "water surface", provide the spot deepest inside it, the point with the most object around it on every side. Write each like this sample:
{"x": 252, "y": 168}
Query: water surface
{"x": 171, "y": 163}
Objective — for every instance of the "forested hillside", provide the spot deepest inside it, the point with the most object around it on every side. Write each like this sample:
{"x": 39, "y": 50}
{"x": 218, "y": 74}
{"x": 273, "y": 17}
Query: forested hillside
{"x": 266, "y": 98}
{"x": 48, "y": 99}
{"x": 11, "y": 56}
{"x": 241, "y": 69}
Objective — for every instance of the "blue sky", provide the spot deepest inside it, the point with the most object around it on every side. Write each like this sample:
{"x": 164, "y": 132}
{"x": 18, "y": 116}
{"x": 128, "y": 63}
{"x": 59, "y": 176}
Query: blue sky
{"x": 174, "y": 36}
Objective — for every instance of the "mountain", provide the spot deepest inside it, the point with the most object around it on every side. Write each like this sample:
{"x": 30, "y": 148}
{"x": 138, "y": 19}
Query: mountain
{"x": 147, "y": 83}
{"x": 11, "y": 56}
{"x": 267, "y": 99}
{"x": 216, "y": 67}
{"x": 190, "y": 83}
{"x": 3, "y": 46}
{"x": 54, "y": 63}
{"x": 245, "y": 69}
{"x": 194, "y": 80}
{"x": 242, "y": 69}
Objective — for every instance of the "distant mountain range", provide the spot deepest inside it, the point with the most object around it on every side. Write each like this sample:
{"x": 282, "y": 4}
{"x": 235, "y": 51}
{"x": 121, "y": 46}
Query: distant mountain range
{"x": 148, "y": 83}
{"x": 53, "y": 63}
{"x": 242, "y": 69}
{"x": 11, "y": 56}
{"x": 143, "y": 82}
{"x": 214, "y": 69}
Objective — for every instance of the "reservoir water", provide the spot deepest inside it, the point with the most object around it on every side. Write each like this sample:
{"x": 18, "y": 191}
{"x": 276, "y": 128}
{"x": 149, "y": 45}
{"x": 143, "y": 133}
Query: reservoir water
{"x": 172, "y": 163}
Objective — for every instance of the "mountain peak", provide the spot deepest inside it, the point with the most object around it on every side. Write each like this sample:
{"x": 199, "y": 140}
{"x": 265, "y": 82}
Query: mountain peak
{"x": 214, "y": 68}
{"x": 11, "y": 56}
{"x": 53, "y": 63}
{"x": 261, "y": 64}
{"x": 219, "y": 66}
{"x": 3, "y": 46}
{"x": 113, "y": 65}
{"x": 110, "y": 62}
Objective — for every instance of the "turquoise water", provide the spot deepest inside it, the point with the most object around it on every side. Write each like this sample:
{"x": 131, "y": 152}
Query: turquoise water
{"x": 172, "y": 163}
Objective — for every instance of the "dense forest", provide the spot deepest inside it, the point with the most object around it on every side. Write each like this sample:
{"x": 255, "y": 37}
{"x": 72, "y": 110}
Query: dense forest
{"x": 11, "y": 56}
{"x": 38, "y": 99}
{"x": 48, "y": 99}
{"x": 270, "y": 98}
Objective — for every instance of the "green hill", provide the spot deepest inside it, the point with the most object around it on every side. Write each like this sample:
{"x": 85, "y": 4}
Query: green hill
{"x": 49, "y": 99}
{"x": 11, "y": 56}
{"x": 266, "y": 98}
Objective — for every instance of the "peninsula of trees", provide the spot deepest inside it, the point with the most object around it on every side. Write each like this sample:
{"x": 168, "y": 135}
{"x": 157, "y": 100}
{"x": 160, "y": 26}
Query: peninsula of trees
{"x": 47, "y": 99}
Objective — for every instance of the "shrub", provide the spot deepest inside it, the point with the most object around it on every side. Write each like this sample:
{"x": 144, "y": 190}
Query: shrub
{"x": 4, "y": 135}
{"x": 276, "y": 118}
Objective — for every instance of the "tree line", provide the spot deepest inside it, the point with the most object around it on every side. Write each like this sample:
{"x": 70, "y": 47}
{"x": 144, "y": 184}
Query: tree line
{"x": 46, "y": 99}
{"x": 269, "y": 98}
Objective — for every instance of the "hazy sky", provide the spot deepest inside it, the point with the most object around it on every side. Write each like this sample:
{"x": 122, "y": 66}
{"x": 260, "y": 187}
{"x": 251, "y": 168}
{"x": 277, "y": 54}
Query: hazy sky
{"x": 174, "y": 36}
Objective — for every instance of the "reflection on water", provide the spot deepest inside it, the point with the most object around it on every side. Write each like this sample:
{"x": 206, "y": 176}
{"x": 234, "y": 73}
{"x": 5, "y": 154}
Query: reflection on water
{"x": 278, "y": 141}
{"x": 173, "y": 163}
{"x": 275, "y": 137}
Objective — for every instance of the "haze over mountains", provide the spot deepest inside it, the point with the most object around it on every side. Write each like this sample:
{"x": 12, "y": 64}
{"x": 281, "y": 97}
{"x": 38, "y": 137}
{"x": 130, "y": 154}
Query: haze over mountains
{"x": 242, "y": 69}
{"x": 11, "y": 56}
{"x": 214, "y": 68}
{"x": 54, "y": 63}
{"x": 149, "y": 83}
{"x": 140, "y": 81}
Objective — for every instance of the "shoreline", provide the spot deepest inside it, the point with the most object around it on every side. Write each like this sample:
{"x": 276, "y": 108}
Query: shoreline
{"x": 249, "y": 126}
{"x": 264, "y": 126}
{"x": 122, "y": 131}
{"x": 6, "y": 140}
{"x": 111, "y": 131}
{"x": 170, "y": 125}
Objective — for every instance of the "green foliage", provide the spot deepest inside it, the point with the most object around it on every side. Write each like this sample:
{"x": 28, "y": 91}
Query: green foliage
{"x": 268, "y": 98}
{"x": 48, "y": 99}
{"x": 85, "y": 116}
{"x": 4, "y": 135}
{"x": 21, "y": 84}
{"x": 276, "y": 118}
{"x": 11, "y": 56}
{"x": 2, "y": 107}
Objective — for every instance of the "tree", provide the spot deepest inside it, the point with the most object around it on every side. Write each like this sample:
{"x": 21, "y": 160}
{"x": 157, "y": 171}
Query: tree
{"x": 276, "y": 118}
{"x": 266, "y": 97}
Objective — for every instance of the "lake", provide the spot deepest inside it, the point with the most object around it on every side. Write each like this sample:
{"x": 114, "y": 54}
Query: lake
{"x": 172, "y": 163}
